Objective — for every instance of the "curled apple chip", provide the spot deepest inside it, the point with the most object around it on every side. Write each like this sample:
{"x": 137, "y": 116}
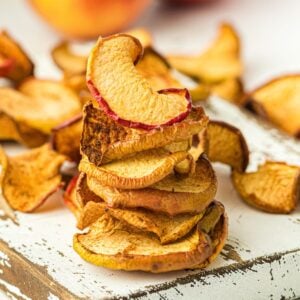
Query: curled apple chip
{"x": 104, "y": 140}
{"x": 20, "y": 132}
{"x": 39, "y": 104}
{"x": 18, "y": 64}
{"x": 124, "y": 94}
{"x": 30, "y": 178}
{"x": 143, "y": 35}
{"x": 219, "y": 62}
{"x": 65, "y": 138}
{"x": 113, "y": 244}
{"x": 163, "y": 201}
{"x": 279, "y": 102}
{"x": 226, "y": 144}
{"x": 274, "y": 187}
{"x": 138, "y": 171}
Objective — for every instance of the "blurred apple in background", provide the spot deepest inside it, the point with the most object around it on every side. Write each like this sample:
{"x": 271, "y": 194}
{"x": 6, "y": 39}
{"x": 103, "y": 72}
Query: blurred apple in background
{"x": 86, "y": 19}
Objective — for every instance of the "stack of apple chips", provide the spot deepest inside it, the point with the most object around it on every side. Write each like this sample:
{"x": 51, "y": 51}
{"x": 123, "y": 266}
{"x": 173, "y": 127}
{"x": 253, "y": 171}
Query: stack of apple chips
{"x": 146, "y": 193}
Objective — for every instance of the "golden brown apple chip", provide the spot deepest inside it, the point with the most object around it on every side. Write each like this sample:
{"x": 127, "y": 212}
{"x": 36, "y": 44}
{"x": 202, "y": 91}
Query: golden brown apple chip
{"x": 219, "y": 62}
{"x": 6, "y": 64}
{"x": 279, "y": 102}
{"x": 39, "y": 104}
{"x": 226, "y": 144}
{"x": 65, "y": 138}
{"x": 116, "y": 245}
{"x": 274, "y": 187}
{"x": 30, "y": 178}
{"x": 17, "y": 63}
{"x": 20, "y": 132}
{"x": 200, "y": 92}
{"x": 138, "y": 171}
{"x": 104, "y": 140}
{"x": 143, "y": 35}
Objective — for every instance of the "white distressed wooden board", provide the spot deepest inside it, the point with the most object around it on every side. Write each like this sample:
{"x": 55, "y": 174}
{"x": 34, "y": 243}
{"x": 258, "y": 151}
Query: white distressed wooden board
{"x": 45, "y": 237}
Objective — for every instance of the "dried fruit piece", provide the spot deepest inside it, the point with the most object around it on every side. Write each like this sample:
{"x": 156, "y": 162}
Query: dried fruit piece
{"x": 200, "y": 92}
{"x": 124, "y": 94}
{"x": 142, "y": 34}
{"x": 40, "y": 104}
{"x": 226, "y": 144}
{"x": 219, "y": 62}
{"x": 113, "y": 244}
{"x": 274, "y": 187}
{"x": 135, "y": 172}
{"x": 66, "y": 138}
{"x": 279, "y": 102}
{"x": 165, "y": 200}
{"x": 30, "y": 178}
{"x": 6, "y": 64}
{"x": 18, "y": 64}
{"x": 167, "y": 229}
{"x": 104, "y": 140}
{"x": 230, "y": 89}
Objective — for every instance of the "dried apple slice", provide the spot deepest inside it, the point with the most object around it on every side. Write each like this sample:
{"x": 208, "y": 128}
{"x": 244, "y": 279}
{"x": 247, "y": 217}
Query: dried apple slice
{"x": 141, "y": 170}
{"x": 164, "y": 201}
{"x": 65, "y": 138}
{"x": 113, "y": 244}
{"x": 40, "y": 104}
{"x": 279, "y": 102}
{"x": 124, "y": 94}
{"x": 167, "y": 229}
{"x": 274, "y": 187}
{"x": 219, "y": 62}
{"x": 143, "y": 35}
{"x": 6, "y": 64}
{"x": 17, "y": 61}
{"x": 226, "y": 144}
{"x": 104, "y": 140}
{"x": 30, "y": 178}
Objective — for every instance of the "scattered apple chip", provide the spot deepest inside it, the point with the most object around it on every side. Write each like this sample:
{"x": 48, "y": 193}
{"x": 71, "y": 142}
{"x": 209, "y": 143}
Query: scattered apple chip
{"x": 279, "y": 102}
{"x": 138, "y": 171}
{"x": 104, "y": 140}
{"x": 30, "y": 178}
{"x": 274, "y": 187}
{"x": 40, "y": 104}
{"x": 18, "y": 65}
{"x": 143, "y": 35}
{"x": 167, "y": 229}
{"x": 226, "y": 144}
{"x": 20, "y": 132}
{"x": 220, "y": 62}
{"x": 124, "y": 94}
{"x": 65, "y": 138}
{"x": 200, "y": 92}
{"x": 164, "y": 201}
{"x": 116, "y": 245}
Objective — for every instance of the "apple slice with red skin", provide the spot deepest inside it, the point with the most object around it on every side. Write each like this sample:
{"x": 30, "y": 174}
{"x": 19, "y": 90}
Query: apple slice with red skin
{"x": 124, "y": 94}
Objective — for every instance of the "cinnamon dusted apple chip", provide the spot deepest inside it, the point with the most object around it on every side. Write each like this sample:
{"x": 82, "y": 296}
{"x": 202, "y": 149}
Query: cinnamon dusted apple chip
{"x": 124, "y": 94}
{"x": 138, "y": 171}
{"x": 66, "y": 138}
{"x": 166, "y": 199}
{"x": 17, "y": 65}
{"x": 279, "y": 102}
{"x": 274, "y": 187}
{"x": 30, "y": 178}
{"x": 116, "y": 245}
{"x": 219, "y": 62}
{"x": 39, "y": 104}
{"x": 104, "y": 140}
{"x": 226, "y": 144}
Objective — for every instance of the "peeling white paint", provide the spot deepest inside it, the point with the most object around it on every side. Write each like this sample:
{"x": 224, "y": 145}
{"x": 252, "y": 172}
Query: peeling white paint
{"x": 52, "y": 297}
{"x": 4, "y": 260}
{"x": 14, "y": 290}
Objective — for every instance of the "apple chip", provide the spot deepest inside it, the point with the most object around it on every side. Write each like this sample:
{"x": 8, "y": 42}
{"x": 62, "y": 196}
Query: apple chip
{"x": 65, "y": 138}
{"x": 200, "y": 92}
{"x": 104, "y": 140}
{"x": 40, "y": 104}
{"x": 20, "y": 132}
{"x": 143, "y": 35}
{"x": 17, "y": 64}
{"x": 274, "y": 187}
{"x": 138, "y": 171}
{"x": 116, "y": 245}
{"x": 279, "y": 102}
{"x": 167, "y": 229}
{"x": 124, "y": 94}
{"x": 30, "y": 178}
{"x": 226, "y": 144}
{"x": 219, "y": 62}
